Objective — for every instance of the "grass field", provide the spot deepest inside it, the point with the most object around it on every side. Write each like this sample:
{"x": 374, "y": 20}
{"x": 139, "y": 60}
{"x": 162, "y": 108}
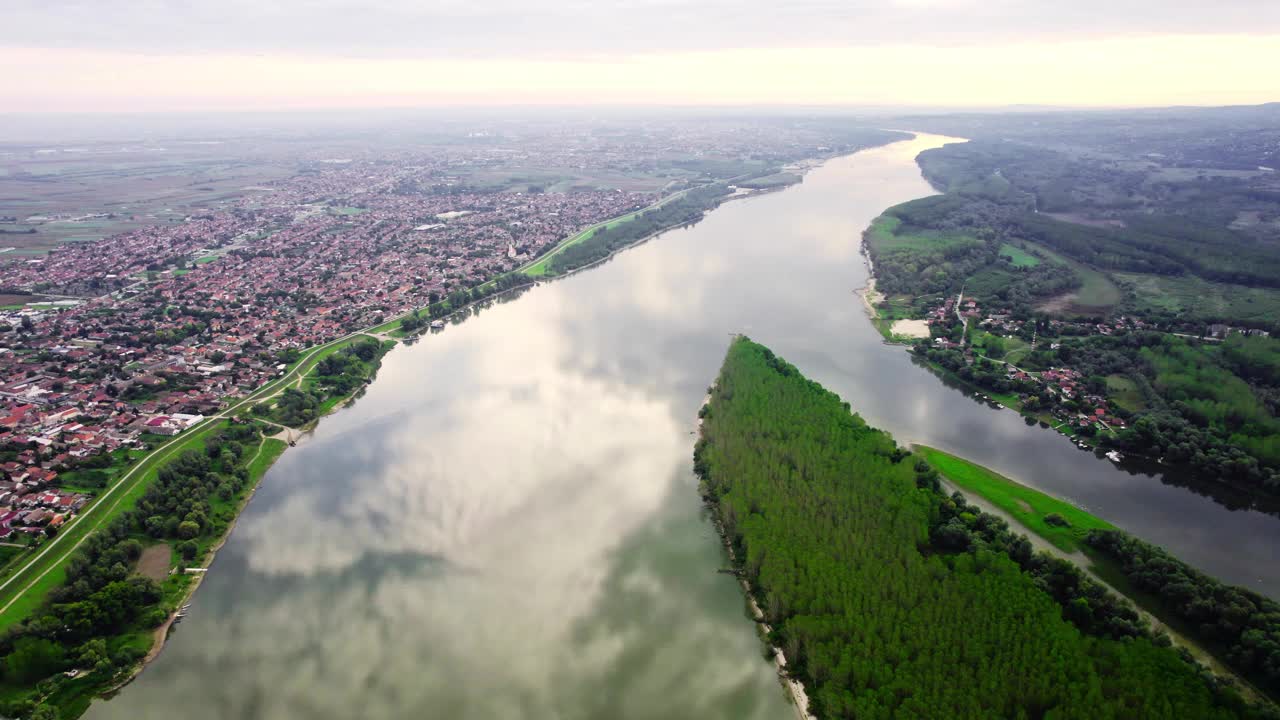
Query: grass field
{"x": 884, "y": 237}
{"x": 1027, "y": 505}
{"x": 1124, "y": 393}
{"x": 897, "y": 307}
{"x": 1193, "y": 297}
{"x": 1018, "y": 257}
{"x": 987, "y": 282}
{"x": 1097, "y": 293}
{"x": 776, "y": 180}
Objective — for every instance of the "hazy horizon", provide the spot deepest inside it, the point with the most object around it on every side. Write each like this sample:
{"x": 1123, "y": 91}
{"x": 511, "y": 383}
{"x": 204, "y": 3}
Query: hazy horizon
{"x": 140, "y": 56}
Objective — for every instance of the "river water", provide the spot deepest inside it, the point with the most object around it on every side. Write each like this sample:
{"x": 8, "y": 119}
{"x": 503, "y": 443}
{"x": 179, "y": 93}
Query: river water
{"x": 506, "y": 524}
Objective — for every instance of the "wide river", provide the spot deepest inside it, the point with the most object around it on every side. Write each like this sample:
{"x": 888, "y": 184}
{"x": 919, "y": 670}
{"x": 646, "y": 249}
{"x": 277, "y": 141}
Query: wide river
{"x": 506, "y": 524}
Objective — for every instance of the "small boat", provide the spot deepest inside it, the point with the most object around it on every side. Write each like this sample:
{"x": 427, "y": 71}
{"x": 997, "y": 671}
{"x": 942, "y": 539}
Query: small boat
{"x": 437, "y": 324}
{"x": 1115, "y": 456}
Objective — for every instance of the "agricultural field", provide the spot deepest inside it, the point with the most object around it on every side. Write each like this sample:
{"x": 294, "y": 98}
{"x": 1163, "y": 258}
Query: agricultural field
{"x": 83, "y": 194}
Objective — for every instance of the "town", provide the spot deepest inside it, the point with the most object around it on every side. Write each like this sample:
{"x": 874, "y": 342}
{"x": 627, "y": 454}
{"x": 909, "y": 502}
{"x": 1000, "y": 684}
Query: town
{"x": 193, "y": 314}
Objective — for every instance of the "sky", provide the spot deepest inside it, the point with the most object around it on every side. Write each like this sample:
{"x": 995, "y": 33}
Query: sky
{"x": 177, "y": 55}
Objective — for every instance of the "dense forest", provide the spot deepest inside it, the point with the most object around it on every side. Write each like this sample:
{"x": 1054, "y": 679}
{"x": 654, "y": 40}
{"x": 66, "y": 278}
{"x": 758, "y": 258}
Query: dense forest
{"x": 891, "y": 599}
{"x": 99, "y": 619}
{"x": 1074, "y": 214}
{"x": 1242, "y": 623}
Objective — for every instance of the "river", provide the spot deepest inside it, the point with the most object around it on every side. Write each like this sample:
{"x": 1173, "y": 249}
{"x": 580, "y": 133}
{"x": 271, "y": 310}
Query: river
{"x": 506, "y": 524}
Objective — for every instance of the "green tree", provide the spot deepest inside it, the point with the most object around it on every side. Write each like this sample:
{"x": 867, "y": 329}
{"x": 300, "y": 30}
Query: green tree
{"x": 34, "y": 658}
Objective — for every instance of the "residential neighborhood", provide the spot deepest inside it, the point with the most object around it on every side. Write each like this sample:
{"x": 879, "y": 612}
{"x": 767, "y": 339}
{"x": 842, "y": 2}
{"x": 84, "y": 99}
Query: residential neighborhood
{"x": 171, "y": 321}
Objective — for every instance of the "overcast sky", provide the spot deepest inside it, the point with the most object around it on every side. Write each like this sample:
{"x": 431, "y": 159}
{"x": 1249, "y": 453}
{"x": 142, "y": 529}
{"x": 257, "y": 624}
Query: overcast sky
{"x": 179, "y": 54}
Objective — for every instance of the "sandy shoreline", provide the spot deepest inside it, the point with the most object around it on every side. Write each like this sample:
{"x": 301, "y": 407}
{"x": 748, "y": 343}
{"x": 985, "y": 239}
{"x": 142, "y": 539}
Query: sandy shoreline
{"x": 870, "y": 296}
{"x": 799, "y": 698}
{"x": 910, "y": 328}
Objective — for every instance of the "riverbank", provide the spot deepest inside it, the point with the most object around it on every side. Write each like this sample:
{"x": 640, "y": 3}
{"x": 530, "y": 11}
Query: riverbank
{"x": 906, "y": 331}
{"x": 624, "y": 600}
{"x": 72, "y": 694}
{"x": 258, "y": 466}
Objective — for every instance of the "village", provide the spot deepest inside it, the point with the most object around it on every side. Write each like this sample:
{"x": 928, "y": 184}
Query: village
{"x": 1057, "y": 393}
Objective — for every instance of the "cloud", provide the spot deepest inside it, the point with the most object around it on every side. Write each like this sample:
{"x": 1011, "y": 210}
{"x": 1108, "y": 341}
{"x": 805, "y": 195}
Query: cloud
{"x": 573, "y": 28}
{"x": 449, "y": 498}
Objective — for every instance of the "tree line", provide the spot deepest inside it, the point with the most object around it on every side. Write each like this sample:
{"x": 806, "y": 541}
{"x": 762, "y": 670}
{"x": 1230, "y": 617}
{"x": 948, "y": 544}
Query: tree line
{"x": 686, "y": 209}
{"x": 1241, "y": 622}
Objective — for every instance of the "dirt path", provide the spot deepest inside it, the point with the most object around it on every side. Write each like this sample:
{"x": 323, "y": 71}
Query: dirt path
{"x": 154, "y": 562}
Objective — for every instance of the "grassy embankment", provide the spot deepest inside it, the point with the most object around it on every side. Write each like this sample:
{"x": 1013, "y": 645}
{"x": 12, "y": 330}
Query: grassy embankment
{"x": 536, "y": 269}
{"x": 1027, "y": 505}
{"x": 13, "y": 558}
{"x": 540, "y": 267}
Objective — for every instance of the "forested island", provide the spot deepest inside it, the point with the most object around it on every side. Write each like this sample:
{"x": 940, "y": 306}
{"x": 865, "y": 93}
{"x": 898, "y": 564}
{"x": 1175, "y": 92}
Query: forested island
{"x": 890, "y": 598}
{"x": 1125, "y": 298}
